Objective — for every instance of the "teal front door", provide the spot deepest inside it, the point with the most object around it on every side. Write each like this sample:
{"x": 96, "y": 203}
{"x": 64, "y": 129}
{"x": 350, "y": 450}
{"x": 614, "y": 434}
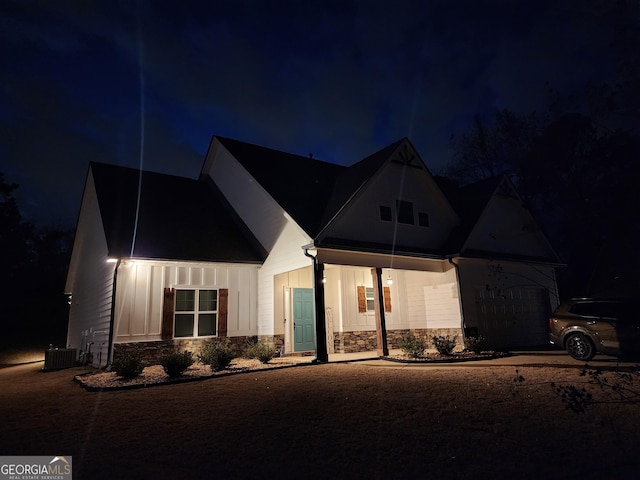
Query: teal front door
{"x": 303, "y": 332}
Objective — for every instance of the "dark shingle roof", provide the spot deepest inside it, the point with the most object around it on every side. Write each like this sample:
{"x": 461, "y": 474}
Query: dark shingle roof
{"x": 469, "y": 202}
{"x": 352, "y": 178}
{"x": 311, "y": 191}
{"x": 300, "y": 185}
{"x": 178, "y": 218}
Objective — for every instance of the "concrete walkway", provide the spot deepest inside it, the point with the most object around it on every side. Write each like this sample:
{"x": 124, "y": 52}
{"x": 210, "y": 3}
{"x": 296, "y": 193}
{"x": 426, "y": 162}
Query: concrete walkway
{"x": 558, "y": 358}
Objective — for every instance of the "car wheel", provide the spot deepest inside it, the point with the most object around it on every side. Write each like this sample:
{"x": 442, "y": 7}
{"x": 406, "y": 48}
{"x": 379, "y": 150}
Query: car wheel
{"x": 580, "y": 347}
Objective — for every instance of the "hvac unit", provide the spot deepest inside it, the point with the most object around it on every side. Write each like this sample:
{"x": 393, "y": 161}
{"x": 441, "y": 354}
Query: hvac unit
{"x": 56, "y": 359}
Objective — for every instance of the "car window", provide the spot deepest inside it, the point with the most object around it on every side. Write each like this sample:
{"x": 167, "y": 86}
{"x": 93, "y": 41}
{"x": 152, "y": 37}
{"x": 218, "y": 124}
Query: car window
{"x": 585, "y": 309}
{"x": 603, "y": 309}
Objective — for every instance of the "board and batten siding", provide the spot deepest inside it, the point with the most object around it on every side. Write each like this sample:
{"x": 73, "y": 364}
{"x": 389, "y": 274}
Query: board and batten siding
{"x": 90, "y": 283}
{"x": 140, "y": 294}
{"x": 418, "y": 299}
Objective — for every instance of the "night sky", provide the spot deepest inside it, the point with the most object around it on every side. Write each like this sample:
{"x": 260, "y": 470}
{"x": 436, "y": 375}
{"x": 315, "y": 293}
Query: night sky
{"x": 148, "y": 83}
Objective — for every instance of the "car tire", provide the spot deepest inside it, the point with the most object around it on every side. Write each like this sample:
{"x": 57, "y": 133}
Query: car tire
{"x": 580, "y": 347}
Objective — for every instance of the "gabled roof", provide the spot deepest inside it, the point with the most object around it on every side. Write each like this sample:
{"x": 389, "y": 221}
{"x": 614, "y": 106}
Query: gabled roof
{"x": 301, "y": 185}
{"x": 352, "y": 178}
{"x": 313, "y": 192}
{"x": 178, "y": 218}
{"x": 469, "y": 202}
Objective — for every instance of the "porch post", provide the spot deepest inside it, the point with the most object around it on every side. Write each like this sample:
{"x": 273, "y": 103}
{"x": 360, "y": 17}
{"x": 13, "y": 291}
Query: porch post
{"x": 381, "y": 325}
{"x": 322, "y": 355}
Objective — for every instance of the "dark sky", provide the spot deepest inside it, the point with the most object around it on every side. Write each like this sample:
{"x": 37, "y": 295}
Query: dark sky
{"x": 149, "y": 82}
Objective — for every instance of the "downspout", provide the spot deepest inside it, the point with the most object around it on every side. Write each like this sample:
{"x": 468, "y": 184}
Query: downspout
{"x": 322, "y": 355}
{"x": 112, "y": 319}
{"x": 462, "y": 322}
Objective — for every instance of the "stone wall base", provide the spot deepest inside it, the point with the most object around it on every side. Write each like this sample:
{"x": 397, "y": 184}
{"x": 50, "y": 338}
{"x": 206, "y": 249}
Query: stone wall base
{"x": 365, "y": 340}
{"x": 151, "y": 352}
{"x": 344, "y": 342}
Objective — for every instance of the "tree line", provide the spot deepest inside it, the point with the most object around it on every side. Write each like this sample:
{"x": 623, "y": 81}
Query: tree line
{"x": 35, "y": 261}
{"x": 575, "y": 163}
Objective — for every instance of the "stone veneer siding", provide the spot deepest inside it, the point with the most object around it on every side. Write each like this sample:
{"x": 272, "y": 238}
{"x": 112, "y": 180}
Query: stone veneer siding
{"x": 365, "y": 340}
{"x": 151, "y": 352}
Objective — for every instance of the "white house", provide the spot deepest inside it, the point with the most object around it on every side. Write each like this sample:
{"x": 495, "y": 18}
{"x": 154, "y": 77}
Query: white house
{"x": 309, "y": 255}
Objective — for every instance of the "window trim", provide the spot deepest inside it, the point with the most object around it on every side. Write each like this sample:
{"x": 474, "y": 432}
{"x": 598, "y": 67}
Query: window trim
{"x": 369, "y": 298}
{"x": 196, "y": 312}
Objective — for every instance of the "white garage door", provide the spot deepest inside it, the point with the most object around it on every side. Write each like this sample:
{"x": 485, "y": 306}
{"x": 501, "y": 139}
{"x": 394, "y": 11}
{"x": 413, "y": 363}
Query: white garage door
{"x": 513, "y": 318}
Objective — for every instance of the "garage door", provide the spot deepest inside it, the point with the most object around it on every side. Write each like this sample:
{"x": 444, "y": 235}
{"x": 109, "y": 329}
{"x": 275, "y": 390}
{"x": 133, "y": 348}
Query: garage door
{"x": 513, "y": 318}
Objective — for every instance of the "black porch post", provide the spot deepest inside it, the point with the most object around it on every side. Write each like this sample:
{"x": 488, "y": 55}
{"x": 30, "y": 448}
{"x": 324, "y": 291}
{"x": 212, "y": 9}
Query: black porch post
{"x": 322, "y": 355}
{"x": 381, "y": 323}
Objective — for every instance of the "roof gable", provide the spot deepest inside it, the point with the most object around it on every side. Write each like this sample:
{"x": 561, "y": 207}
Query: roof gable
{"x": 318, "y": 195}
{"x": 496, "y": 222}
{"x": 352, "y": 178}
{"x": 152, "y": 215}
{"x": 340, "y": 206}
{"x": 300, "y": 185}
{"x": 392, "y": 175}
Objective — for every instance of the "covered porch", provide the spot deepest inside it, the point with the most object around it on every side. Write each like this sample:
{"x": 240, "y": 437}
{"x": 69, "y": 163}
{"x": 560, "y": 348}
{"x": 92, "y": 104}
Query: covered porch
{"x": 362, "y": 303}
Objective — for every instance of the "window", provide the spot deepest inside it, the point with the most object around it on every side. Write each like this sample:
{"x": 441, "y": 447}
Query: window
{"x": 385, "y": 213}
{"x": 602, "y": 309}
{"x": 404, "y": 210}
{"x": 196, "y": 313}
{"x": 369, "y": 297}
{"x": 366, "y": 301}
{"x": 423, "y": 219}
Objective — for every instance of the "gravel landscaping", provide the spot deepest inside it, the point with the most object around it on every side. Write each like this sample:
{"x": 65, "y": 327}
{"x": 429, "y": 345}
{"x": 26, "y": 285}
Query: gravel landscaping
{"x": 155, "y": 374}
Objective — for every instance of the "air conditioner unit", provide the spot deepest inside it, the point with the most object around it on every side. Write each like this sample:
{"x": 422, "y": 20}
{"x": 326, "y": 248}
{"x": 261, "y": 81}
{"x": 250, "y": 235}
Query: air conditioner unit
{"x": 56, "y": 359}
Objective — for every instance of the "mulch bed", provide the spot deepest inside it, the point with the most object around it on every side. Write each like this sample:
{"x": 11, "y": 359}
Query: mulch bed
{"x": 154, "y": 375}
{"x": 453, "y": 358}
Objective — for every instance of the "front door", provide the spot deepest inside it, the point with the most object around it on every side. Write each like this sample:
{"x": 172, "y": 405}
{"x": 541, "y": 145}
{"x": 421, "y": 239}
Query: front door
{"x": 303, "y": 331}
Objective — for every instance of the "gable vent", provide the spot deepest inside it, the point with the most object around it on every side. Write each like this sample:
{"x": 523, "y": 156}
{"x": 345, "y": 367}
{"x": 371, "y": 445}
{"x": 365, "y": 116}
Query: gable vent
{"x": 406, "y": 156}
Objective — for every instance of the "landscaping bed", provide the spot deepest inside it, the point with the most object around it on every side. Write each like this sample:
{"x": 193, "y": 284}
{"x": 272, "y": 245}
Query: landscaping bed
{"x": 436, "y": 357}
{"x": 155, "y": 374}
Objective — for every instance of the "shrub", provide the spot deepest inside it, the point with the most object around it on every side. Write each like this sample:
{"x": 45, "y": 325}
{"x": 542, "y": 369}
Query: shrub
{"x": 217, "y": 354}
{"x": 260, "y": 350}
{"x": 412, "y": 346}
{"x": 175, "y": 364}
{"x": 475, "y": 344}
{"x": 128, "y": 365}
{"x": 444, "y": 344}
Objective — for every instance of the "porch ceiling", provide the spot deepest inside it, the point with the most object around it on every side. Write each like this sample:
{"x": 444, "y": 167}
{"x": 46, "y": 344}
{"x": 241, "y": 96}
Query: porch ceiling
{"x": 380, "y": 260}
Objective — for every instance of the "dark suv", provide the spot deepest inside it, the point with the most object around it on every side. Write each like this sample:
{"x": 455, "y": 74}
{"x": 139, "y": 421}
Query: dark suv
{"x": 586, "y": 326}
